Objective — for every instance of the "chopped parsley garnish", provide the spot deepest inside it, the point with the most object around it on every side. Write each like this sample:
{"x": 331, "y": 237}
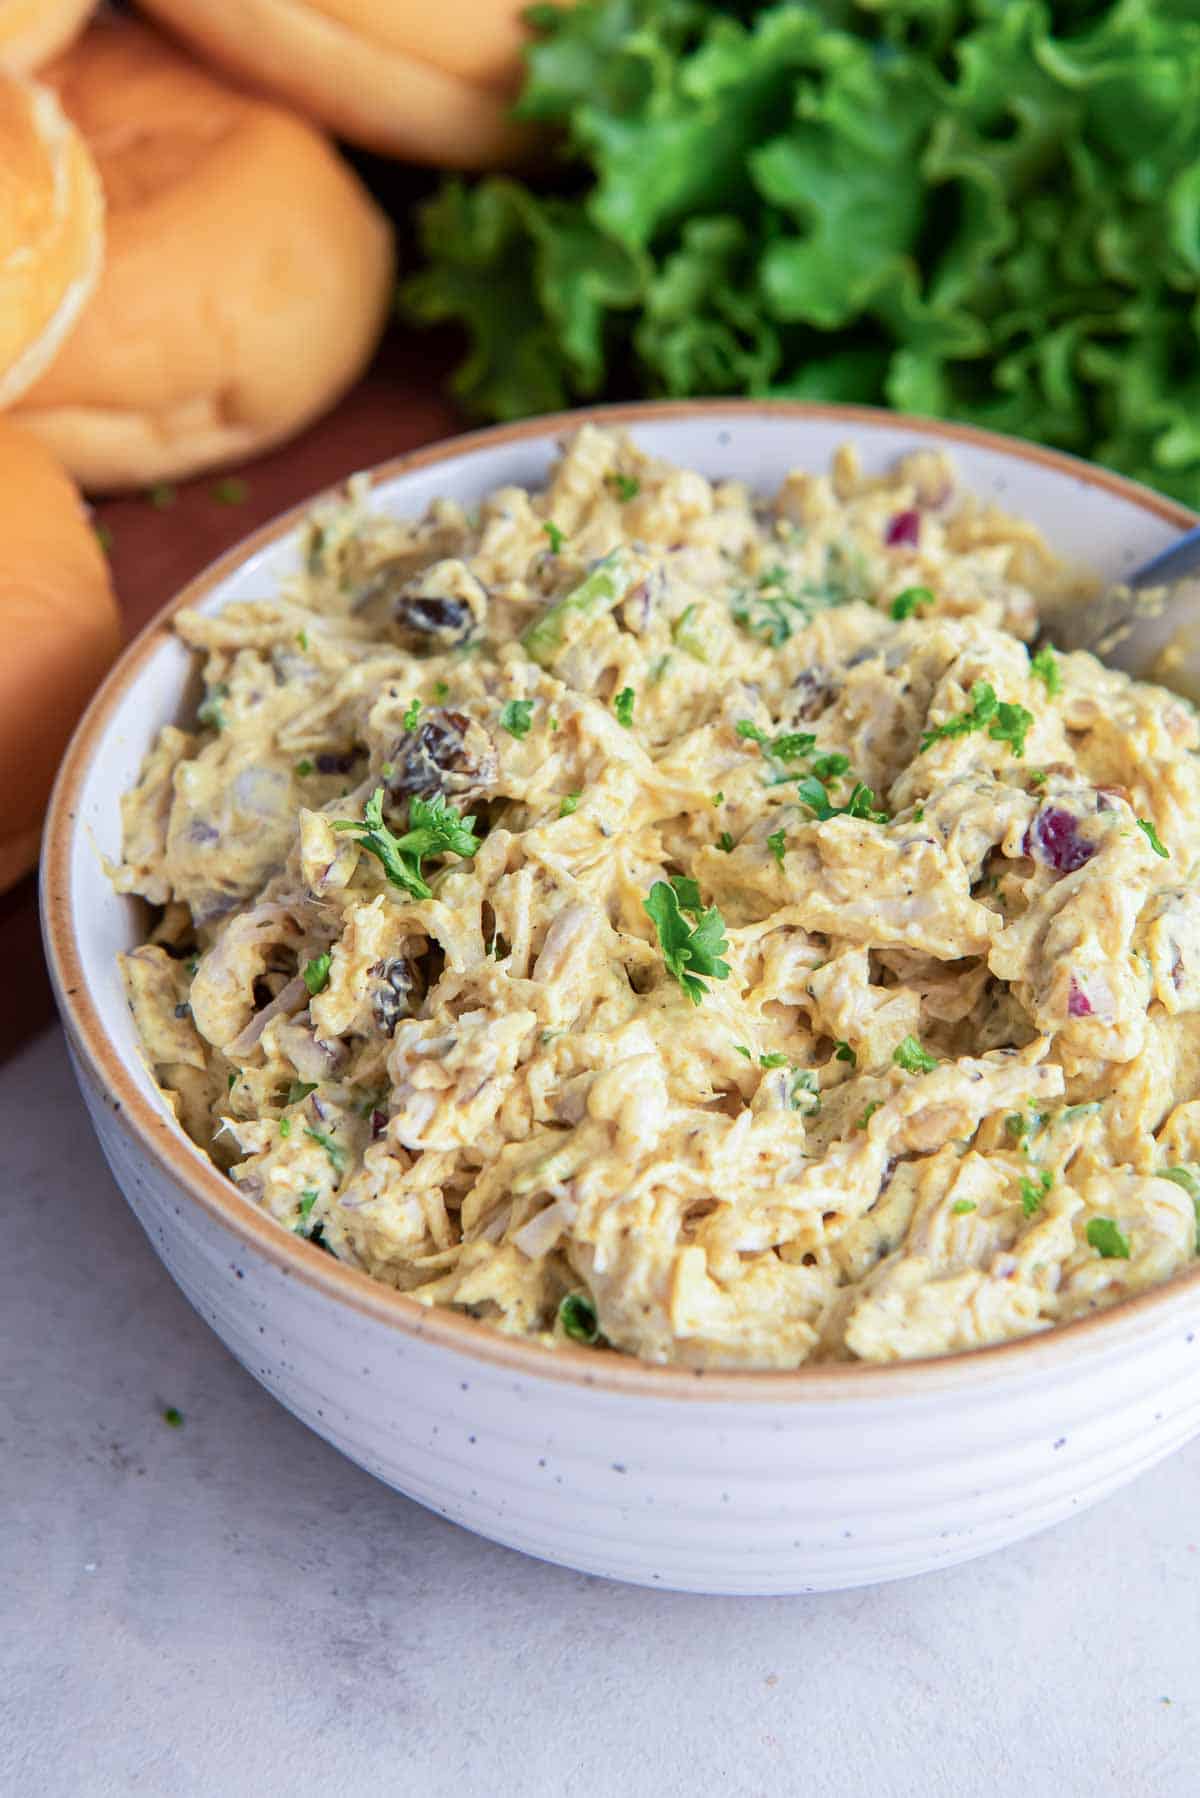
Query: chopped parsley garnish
{"x": 302, "y": 640}
{"x": 308, "y": 1199}
{"x": 919, "y": 815}
{"x": 336, "y": 1154}
{"x": 1012, "y": 725}
{"x": 557, "y": 537}
{"x": 692, "y": 953}
{"x": 569, "y": 804}
{"x": 623, "y": 707}
{"x": 805, "y": 1094}
{"x": 1021, "y": 1128}
{"x": 623, "y": 485}
{"x": 830, "y": 767}
{"x": 910, "y": 601}
{"x": 687, "y": 891}
{"x": 861, "y": 804}
{"x": 843, "y": 1052}
{"x": 1004, "y": 723}
{"x": 868, "y": 1114}
{"x": 316, "y": 973}
{"x": 409, "y": 720}
{"x": 577, "y": 1315}
{"x": 777, "y": 844}
{"x": 743, "y": 1050}
{"x": 210, "y": 712}
{"x": 304, "y": 767}
{"x": 300, "y": 1089}
{"x": 910, "y": 1056}
{"x": 516, "y": 717}
{"x": 960, "y": 1207}
{"x": 1034, "y": 1191}
{"x": 718, "y": 799}
{"x": 285, "y": 1126}
{"x": 1044, "y": 665}
{"x": 1038, "y": 778}
{"x": 776, "y": 1059}
{"x": 434, "y": 829}
{"x": 230, "y": 492}
{"x": 161, "y": 496}
{"x": 788, "y": 746}
{"x": 441, "y": 690}
{"x": 1104, "y": 1236}
{"x": 231, "y": 1081}
{"x": 173, "y": 1418}
{"x": 1152, "y": 837}
{"x": 725, "y": 843}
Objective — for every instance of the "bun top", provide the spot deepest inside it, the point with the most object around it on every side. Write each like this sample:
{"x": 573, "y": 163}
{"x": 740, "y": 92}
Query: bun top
{"x": 479, "y": 41}
{"x": 51, "y": 230}
{"x": 32, "y": 31}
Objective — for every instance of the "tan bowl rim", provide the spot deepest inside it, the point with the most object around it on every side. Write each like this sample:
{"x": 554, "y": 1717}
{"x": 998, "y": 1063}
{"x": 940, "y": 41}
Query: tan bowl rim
{"x": 1177, "y": 1301}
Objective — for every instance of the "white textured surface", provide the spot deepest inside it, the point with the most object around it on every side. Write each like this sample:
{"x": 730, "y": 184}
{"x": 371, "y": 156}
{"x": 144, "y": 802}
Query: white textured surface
{"x": 231, "y": 1608}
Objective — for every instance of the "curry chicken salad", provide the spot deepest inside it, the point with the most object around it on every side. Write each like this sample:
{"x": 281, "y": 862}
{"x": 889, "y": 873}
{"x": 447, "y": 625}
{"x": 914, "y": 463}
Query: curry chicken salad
{"x": 642, "y": 913}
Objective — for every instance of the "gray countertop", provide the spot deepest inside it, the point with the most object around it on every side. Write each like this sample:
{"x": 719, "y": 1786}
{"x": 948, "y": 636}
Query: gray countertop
{"x": 230, "y": 1608}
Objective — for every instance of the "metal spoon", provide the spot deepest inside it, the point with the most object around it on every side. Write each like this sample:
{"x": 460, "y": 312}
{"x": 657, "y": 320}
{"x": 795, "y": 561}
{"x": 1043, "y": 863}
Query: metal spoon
{"x": 1148, "y": 625}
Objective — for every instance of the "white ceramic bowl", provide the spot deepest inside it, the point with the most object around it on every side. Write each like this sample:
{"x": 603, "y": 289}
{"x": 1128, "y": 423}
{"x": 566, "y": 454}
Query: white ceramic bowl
{"x": 827, "y": 1477}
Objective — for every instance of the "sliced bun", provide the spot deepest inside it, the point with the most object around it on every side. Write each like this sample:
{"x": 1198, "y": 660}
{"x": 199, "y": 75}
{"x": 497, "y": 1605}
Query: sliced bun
{"x": 51, "y": 231}
{"x": 247, "y": 278}
{"x": 430, "y": 83}
{"x": 60, "y": 630}
{"x": 32, "y": 31}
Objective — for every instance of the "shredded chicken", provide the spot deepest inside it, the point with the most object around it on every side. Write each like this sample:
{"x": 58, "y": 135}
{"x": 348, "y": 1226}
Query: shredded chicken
{"x": 931, "y": 1078}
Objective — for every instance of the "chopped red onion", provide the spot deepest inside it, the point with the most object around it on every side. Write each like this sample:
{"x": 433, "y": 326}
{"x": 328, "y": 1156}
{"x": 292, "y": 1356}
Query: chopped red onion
{"x": 1078, "y": 1003}
{"x": 1054, "y": 838}
{"x": 903, "y": 527}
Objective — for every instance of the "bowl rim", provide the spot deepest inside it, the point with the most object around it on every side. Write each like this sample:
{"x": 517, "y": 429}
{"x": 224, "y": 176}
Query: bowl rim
{"x": 181, "y": 1162}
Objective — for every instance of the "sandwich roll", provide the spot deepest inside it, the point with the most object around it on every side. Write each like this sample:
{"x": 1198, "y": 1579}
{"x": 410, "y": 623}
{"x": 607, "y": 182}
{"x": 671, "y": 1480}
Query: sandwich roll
{"x": 60, "y": 630}
{"x": 432, "y": 84}
{"x": 247, "y": 277}
{"x": 32, "y": 31}
{"x": 51, "y": 231}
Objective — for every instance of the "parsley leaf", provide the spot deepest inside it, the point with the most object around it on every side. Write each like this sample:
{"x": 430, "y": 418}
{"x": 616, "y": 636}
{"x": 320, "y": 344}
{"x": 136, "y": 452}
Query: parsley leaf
{"x": 829, "y": 767}
{"x": 623, "y": 485}
{"x": 557, "y": 537}
{"x": 868, "y": 1114}
{"x": 304, "y": 767}
{"x": 788, "y": 746}
{"x": 960, "y": 1207}
{"x": 1044, "y": 665}
{"x": 230, "y": 491}
{"x": 777, "y": 844}
{"x": 210, "y": 711}
{"x": 577, "y": 1315}
{"x": 981, "y": 710}
{"x": 1104, "y": 1236}
{"x": 1011, "y": 725}
{"x": 805, "y": 1088}
{"x": 410, "y": 717}
{"x": 843, "y": 1052}
{"x": 774, "y": 1060}
{"x": 1183, "y": 1176}
{"x": 173, "y": 1417}
{"x": 1034, "y": 1191}
{"x": 910, "y": 1056}
{"x": 861, "y": 804}
{"x": 516, "y": 717}
{"x": 441, "y": 690}
{"x": 1152, "y": 837}
{"x": 908, "y": 602}
{"x": 161, "y": 496}
{"x": 692, "y": 953}
{"x": 569, "y": 804}
{"x": 434, "y": 829}
{"x": 335, "y": 1152}
{"x": 623, "y": 707}
{"x": 687, "y": 891}
{"x": 316, "y": 973}
{"x": 725, "y": 843}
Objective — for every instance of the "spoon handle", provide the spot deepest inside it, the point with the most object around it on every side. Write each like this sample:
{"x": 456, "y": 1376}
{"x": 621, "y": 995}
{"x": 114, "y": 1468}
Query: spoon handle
{"x": 1172, "y": 564}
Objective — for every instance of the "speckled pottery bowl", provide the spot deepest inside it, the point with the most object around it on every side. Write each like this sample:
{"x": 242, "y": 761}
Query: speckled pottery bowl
{"x": 719, "y": 1482}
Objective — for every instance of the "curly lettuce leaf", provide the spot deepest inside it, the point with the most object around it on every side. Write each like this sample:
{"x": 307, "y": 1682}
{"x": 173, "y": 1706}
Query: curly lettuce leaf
{"x": 981, "y": 209}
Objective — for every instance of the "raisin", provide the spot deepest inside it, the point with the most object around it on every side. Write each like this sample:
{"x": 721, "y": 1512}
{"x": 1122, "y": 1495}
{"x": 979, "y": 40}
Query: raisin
{"x": 447, "y": 752}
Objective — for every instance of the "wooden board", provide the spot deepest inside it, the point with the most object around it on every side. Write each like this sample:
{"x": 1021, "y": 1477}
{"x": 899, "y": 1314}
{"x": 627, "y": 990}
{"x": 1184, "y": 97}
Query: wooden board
{"x": 399, "y": 405}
